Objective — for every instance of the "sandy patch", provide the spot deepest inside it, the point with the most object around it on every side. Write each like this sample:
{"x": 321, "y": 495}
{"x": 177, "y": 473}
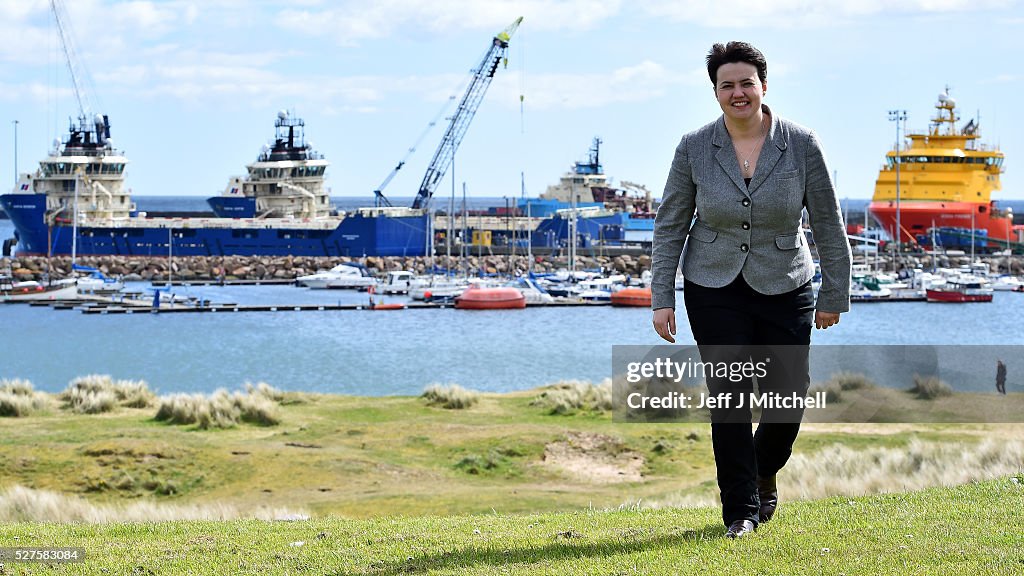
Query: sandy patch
{"x": 594, "y": 458}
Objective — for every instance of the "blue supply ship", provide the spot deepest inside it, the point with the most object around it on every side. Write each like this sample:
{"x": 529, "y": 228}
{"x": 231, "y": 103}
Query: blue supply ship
{"x": 77, "y": 202}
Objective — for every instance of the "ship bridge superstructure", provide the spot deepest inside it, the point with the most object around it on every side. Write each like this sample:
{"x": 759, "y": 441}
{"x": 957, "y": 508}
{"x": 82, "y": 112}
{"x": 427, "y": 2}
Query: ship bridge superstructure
{"x": 287, "y": 179}
{"x": 82, "y": 175}
{"x": 581, "y": 178}
{"x": 943, "y": 163}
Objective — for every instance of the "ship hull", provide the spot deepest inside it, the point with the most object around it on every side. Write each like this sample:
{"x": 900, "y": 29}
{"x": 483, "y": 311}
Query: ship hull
{"x": 354, "y": 236}
{"x": 918, "y": 217}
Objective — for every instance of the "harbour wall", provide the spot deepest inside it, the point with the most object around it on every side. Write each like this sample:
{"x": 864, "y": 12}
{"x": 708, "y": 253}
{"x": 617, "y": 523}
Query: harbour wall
{"x": 211, "y": 268}
{"x": 208, "y": 268}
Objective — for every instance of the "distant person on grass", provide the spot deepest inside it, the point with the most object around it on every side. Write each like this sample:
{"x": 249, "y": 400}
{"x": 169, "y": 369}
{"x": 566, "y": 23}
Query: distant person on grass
{"x": 736, "y": 189}
{"x": 1000, "y": 377}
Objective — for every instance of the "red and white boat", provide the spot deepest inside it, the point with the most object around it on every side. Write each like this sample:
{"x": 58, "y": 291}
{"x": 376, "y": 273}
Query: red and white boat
{"x": 30, "y": 290}
{"x": 961, "y": 289}
{"x": 477, "y": 297}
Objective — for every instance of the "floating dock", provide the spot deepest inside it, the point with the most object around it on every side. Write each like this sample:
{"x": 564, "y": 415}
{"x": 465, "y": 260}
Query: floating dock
{"x": 97, "y": 305}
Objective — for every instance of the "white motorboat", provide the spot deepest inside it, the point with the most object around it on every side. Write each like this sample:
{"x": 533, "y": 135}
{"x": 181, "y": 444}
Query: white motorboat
{"x": 401, "y": 282}
{"x": 346, "y": 275}
{"x": 439, "y": 287}
{"x": 1008, "y": 283}
{"x": 532, "y": 291}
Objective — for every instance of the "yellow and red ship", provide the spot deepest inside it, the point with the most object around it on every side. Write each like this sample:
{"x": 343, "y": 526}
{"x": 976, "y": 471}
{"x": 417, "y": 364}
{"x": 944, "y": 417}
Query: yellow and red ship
{"x": 946, "y": 180}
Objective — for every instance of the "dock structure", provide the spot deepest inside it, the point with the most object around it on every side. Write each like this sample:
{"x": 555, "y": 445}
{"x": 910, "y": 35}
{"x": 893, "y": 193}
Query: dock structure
{"x": 225, "y": 282}
{"x": 100, "y": 305}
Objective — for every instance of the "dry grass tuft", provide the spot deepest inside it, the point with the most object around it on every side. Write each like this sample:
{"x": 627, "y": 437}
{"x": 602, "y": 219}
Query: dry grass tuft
{"x": 852, "y": 381}
{"x": 569, "y": 396}
{"x": 930, "y": 387}
{"x": 18, "y": 398}
{"x": 20, "y": 504}
{"x": 98, "y": 393}
{"x": 265, "y": 390}
{"x": 833, "y": 393}
{"x": 222, "y": 409}
{"x": 838, "y": 470}
{"x": 841, "y": 382}
{"x": 451, "y": 396}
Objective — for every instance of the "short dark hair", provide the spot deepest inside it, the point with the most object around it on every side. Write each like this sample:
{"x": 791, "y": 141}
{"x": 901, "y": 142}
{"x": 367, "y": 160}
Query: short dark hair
{"x": 736, "y": 52}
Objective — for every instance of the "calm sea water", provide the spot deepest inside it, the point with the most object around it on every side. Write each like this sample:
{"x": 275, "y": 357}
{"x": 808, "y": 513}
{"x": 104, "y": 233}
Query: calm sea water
{"x": 400, "y": 352}
{"x": 383, "y": 353}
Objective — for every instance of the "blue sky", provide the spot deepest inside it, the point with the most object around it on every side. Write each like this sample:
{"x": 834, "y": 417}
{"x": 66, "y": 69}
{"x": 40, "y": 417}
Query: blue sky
{"x": 192, "y": 87}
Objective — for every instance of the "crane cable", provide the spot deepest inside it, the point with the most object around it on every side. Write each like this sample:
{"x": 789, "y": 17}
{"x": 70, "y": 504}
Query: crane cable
{"x": 444, "y": 108}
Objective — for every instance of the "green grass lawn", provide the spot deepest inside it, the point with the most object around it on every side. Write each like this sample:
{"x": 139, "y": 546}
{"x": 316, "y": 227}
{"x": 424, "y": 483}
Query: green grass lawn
{"x": 971, "y": 529}
{"x": 393, "y": 485}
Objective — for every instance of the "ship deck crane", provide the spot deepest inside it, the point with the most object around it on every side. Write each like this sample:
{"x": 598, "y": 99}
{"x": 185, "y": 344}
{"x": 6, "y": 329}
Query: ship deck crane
{"x": 482, "y": 76}
{"x": 81, "y": 82}
{"x": 71, "y": 57}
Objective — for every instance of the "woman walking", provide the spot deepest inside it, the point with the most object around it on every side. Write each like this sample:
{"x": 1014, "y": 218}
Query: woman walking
{"x": 737, "y": 188}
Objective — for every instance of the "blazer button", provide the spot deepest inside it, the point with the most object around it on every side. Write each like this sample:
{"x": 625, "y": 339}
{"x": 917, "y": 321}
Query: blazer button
{"x": 746, "y": 201}
{"x": 744, "y": 247}
{"x": 746, "y": 225}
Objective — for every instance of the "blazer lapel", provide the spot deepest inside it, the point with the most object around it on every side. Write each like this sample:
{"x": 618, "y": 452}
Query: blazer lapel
{"x": 771, "y": 152}
{"x": 726, "y": 155}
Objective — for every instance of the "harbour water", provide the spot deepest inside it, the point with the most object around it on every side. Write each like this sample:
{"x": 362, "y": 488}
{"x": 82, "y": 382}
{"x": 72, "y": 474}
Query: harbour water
{"x": 400, "y": 352}
{"x": 384, "y": 353}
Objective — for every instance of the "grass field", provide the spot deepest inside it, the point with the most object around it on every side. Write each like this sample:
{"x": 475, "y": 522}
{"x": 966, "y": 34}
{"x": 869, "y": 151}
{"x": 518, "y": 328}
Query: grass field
{"x": 397, "y": 484}
{"x": 972, "y": 529}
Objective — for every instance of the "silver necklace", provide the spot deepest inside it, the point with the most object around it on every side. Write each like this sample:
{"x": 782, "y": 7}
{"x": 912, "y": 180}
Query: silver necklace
{"x": 746, "y": 161}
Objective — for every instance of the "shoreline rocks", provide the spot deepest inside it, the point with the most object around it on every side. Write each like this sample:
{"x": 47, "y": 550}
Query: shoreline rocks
{"x": 147, "y": 268}
{"x": 289, "y": 267}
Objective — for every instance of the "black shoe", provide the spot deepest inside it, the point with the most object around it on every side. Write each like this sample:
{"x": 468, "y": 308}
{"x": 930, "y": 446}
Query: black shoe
{"x": 768, "y": 492}
{"x": 740, "y": 528}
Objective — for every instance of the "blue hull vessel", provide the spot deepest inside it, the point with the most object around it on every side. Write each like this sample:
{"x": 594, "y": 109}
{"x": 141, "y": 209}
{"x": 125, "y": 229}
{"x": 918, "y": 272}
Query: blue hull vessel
{"x": 76, "y": 203}
{"x": 356, "y": 235}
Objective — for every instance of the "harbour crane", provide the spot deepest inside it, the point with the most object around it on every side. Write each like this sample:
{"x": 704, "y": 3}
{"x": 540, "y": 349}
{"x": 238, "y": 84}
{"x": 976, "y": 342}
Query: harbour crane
{"x": 482, "y": 76}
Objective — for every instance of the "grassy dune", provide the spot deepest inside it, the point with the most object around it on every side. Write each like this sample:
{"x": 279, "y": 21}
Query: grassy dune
{"x": 364, "y": 457}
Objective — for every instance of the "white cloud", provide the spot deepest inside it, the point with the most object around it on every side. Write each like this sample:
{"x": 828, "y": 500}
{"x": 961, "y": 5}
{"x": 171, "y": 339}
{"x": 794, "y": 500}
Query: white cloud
{"x": 801, "y": 13}
{"x": 352, "y": 21}
{"x": 639, "y": 83}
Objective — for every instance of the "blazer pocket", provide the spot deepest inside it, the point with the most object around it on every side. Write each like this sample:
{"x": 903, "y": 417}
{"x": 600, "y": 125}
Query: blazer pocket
{"x": 703, "y": 233}
{"x": 787, "y": 174}
{"x": 788, "y": 241}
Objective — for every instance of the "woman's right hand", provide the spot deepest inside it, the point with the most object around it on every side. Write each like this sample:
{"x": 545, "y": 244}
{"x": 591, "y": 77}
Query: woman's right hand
{"x": 665, "y": 323}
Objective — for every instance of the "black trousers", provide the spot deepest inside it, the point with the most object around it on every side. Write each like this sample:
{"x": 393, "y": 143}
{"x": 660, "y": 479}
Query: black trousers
{"x": 725, "y": 321}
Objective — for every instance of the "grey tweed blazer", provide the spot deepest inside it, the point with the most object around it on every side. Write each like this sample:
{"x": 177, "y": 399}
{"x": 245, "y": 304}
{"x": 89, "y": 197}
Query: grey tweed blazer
{"x": 751, "y": 231}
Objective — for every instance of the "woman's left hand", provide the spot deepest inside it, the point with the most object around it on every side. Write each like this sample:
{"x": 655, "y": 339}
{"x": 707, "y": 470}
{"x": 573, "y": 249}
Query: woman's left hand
{"x": 823, "y": 320}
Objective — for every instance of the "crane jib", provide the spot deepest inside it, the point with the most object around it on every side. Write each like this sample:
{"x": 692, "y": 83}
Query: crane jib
{"x": 482, "y": 76}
